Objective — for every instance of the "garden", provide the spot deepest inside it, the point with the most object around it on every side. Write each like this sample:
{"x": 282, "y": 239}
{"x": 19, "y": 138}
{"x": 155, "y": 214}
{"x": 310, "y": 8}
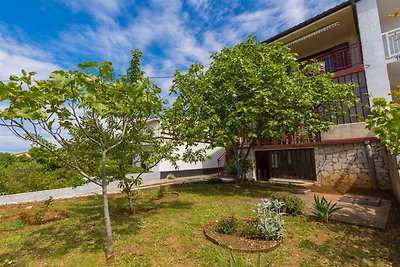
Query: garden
{"x": 168, "y": 229}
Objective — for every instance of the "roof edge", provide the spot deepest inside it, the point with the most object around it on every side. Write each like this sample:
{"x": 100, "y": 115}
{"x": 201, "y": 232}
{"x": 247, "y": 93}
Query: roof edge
{"x": 311, "y": 20}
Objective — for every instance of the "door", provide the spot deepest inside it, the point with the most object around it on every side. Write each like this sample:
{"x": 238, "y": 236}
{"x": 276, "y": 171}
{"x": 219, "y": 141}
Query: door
{"x": 286, "y": 164}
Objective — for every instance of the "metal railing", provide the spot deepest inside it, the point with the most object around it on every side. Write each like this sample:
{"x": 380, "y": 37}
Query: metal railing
{"x": 391, "y": 40}
{"x": 291, "y": 139}
{"x": 221, "y": 163}
{"x": 342, "y": 58}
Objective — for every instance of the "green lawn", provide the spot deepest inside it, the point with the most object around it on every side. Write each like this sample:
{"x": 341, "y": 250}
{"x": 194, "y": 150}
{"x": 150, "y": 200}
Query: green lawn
{"x": 168, "y": 232}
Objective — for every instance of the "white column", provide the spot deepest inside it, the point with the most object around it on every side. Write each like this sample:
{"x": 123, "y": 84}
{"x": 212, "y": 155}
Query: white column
{"x": 373, "y": 52}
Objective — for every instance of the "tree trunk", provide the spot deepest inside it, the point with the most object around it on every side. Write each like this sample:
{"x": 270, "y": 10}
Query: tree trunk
{"x": 238, "y": 168}
{"x": 109, "y": 243}
{"x": 131, "y": 206}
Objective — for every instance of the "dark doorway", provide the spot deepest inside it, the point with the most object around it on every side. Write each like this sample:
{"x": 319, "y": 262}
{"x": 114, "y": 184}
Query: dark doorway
{"x": 287, "y": 164}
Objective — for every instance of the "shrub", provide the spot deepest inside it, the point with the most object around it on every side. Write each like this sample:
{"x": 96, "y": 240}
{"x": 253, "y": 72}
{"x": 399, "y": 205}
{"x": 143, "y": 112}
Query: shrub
{"x": 161, "y": 191}
{"x": 292, "y": 204}
{"x": 170, "y": 176}
{"x": 323, "y": 209}
{"x": 230, "y": 167}
{"x": 228, "y": 225}
{"x": 21, "y": 177}
{"x": 270, "y": 219}
{"x": 250, "y": 229}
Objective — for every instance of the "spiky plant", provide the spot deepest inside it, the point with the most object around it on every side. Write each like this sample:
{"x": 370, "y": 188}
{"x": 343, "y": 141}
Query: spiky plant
{"x": 324, "y": 209}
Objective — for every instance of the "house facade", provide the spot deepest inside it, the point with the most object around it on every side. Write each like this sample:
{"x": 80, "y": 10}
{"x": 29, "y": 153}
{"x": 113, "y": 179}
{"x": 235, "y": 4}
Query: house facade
{"x": 185, "y": 169}
{"x": 358, "y": 43}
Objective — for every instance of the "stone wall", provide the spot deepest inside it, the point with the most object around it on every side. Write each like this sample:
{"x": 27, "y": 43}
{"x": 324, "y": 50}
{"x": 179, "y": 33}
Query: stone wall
{"x": 345, "y": 166}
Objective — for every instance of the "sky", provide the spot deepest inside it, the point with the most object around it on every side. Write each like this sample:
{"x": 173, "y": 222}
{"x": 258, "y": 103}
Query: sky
{"x": 46, "y": 35}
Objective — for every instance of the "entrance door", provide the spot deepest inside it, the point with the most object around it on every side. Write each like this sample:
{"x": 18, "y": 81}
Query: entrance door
{"x": 287, "y": 164}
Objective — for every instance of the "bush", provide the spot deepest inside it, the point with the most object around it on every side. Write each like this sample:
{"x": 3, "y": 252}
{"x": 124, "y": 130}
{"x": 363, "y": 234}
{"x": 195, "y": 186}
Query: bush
{"x": 270, "y": 219}
{"x": 323, "y": 209}
{"x": 250, "y": 229}
{"x": 161, "y": 191}
{"x": 228, "y": 225}
{"x": 230, "y": 167}
{"x": 170, "y": 176}
{"x": 292, "y": 204}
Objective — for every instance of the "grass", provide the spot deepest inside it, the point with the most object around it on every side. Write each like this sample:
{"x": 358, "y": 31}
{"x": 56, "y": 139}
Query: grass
{"x": 168, "y": 232}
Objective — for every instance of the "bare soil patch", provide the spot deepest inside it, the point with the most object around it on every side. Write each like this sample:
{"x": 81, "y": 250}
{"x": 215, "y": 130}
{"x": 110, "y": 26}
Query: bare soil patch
{"x": 238, "y": 243}
{"x": 46, "y": 217}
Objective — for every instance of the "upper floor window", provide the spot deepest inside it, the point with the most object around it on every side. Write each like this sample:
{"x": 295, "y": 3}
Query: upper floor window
{"x": 360, "y": 110}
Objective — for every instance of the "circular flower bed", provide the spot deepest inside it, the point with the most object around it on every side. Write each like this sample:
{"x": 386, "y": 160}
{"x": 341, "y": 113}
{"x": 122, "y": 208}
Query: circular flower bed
{"x": 260, "y": 234}
{"x": 239, "y": 243}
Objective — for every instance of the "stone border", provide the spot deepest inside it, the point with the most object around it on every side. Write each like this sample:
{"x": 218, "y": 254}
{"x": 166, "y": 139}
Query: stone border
{"x": 265, "y": 245}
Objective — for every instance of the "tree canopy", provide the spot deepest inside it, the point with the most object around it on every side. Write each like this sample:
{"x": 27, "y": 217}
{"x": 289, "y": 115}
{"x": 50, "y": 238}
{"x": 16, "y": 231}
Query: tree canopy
{"x": 384, "y": 121}
{"x": 87, "y": 112}
{"x": 253, "y": 91}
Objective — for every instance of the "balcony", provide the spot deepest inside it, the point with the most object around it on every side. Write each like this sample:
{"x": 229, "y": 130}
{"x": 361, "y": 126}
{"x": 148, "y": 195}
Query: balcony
{"x": 290, "y": 139}
{"x": 339, "y": 58}
{"x": 391, "y": 41}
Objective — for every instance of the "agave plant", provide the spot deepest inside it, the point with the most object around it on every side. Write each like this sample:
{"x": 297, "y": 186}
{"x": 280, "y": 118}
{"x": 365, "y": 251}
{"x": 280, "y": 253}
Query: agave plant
{"x": 324, "y": 209}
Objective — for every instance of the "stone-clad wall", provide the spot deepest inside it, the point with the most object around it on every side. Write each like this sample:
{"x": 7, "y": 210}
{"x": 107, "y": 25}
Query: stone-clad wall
{"x": 345, "y": 166}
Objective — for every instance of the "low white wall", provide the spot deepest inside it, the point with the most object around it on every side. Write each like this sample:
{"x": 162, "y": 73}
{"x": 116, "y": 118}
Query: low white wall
{"x": 69, "y": 192}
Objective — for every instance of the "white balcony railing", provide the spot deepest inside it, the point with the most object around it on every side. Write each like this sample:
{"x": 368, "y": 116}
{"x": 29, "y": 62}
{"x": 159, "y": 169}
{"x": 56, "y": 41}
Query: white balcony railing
{"x": 391, "y": 39}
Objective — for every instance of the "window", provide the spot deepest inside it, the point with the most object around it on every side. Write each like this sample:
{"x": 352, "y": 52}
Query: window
{"x": 360, "y": 110}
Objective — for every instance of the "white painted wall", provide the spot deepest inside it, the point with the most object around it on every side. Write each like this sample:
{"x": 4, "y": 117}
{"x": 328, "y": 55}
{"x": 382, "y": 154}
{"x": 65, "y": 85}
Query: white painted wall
{"x": 166, "y": 166}
{"x": 208, "y": 163}
{"x": 373, "y": 51}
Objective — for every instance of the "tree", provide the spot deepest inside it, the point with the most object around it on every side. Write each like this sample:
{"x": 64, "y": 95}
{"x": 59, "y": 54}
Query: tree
{"x": 143, "y": 148}
{"x": 139, "y": 158}
{"x": 86, "y": 112}
{"x": 6, "y": 159}
{"x": 384, "y": 121}
{"x": 253, "y": 91}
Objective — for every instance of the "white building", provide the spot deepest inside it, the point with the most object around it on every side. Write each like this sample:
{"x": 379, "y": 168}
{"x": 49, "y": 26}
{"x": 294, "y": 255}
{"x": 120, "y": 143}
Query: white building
{"x": 185, "y": 169}
{"x": 359, "y": 43}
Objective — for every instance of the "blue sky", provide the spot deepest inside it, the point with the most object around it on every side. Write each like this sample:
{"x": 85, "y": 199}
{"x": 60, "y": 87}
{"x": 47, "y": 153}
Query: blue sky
{"x": 45, "y": 35}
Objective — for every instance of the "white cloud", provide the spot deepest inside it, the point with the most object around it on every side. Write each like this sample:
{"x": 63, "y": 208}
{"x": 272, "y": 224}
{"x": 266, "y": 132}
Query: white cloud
{"x": 11, "y": 64}
{"x": 294, "y": 11}
{"x": 102, "y": 10}
{"x": 11, "y": 143}
{"x": 17, "y": 53}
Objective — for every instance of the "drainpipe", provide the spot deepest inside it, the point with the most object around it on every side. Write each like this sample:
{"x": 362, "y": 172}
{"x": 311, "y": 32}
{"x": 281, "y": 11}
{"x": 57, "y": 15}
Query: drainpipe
{"x": 371, "y": 164}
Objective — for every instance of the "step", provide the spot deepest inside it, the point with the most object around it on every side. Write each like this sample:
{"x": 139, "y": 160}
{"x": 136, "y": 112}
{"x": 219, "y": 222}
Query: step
{"x": 294, "y": 190}
{"x": 291, "y": 183}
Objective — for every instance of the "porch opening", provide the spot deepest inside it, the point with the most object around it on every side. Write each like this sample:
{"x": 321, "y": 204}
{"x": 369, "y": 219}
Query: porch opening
{"x": 286, "y": 164}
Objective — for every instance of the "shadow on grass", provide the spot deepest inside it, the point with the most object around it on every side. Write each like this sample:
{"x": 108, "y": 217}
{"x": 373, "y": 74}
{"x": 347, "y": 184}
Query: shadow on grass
{"x": 227, "y": 189}
{"x": 84, "y": 230}
{"x": 360, "y": 246}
